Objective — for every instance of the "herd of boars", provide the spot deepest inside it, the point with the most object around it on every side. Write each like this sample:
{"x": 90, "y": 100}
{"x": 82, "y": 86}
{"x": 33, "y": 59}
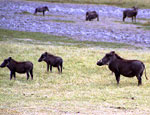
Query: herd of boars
{"x": 130, "y": 13}
{"x": 90, "y": 15}
{"x": 27, "y": 66}
{"x": 118, "y": 65}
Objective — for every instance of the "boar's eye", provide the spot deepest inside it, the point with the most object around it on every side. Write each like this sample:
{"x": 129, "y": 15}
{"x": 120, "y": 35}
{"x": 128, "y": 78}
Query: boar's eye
{"x": 42, "y": 56}
{"x": 107, "y": 55}
{"x": 6, "y": 61}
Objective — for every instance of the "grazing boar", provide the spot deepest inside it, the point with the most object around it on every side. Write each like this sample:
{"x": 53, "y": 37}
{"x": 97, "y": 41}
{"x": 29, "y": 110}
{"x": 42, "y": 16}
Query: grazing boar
{"x": 41, "y": 9}
{"x": 52, "y": 61}
{"x": 120, "y": 66}
{"x": 130, "y": 13}
{"x": 19, "y": 67}
{"x": 90, "y": 15}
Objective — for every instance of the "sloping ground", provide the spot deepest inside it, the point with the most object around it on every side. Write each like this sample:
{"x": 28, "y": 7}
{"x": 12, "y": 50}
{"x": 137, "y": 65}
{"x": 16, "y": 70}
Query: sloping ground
{"x": 69, "y": 20}
{"x": 83, "y": 88}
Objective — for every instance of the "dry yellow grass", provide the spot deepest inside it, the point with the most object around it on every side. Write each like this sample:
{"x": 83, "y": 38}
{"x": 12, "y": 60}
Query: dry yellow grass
{"x": 82, "y": 88}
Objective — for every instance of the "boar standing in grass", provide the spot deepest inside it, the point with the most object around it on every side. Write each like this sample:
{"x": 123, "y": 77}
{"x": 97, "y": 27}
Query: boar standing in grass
{"x": 120, "y": 66}
{"x": 90, "y": 15}
{"x": 19, "y": 67}
{"x": 130, "y": 13}
{"x": 52, "y": 61}
{"x": 41, "y": 9}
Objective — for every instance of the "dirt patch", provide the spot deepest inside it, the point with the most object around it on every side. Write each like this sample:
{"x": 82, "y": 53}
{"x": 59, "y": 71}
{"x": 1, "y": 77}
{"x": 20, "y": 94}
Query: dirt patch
{"x": 78, "y": 109}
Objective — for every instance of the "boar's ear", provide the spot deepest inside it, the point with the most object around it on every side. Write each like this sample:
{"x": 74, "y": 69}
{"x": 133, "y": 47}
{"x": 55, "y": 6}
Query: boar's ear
{"x": 46, "y": 53}
{"x": 112, "y": 52}
{"x": 135, "y": 8}
{"x": 9, "y": 58}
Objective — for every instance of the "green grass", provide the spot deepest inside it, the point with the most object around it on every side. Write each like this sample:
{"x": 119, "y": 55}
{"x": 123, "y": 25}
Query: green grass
{"x": 11, "y": 35}
{"x": 83, "y": 87}
{"x": 39, "y": 38}
{"x": 64, "y": 21}
{"x": 23, "y": 12}
{"x": 130, "y": 22}
{"x": 121, "y": 3}
{"x": 143, "y": 25}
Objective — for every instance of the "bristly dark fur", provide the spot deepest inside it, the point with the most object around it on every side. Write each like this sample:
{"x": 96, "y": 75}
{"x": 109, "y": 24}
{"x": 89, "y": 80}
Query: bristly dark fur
{"x": 90, "y": 15}
{"x": 130, "y": 13}
{"x": 19, "y": 67}
{"x": 41, "y": 9}
{"x": 52, "y": 61}
{"x": 120, "y": 66}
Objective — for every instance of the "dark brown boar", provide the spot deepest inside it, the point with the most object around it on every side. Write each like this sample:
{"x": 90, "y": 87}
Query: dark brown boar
{"x": 19, "y": 67}
{"x": 90, "y": 15}
{"x": 120, "y": 66}
{"x": 41, "y": 9}
{"x": 130, "y": 13}
{"x": 52, "y": 61}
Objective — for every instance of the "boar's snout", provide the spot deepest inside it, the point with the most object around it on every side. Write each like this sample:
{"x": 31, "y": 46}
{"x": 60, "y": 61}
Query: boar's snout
{"x": 99, "y": 63}
{"x": 2, "y": 65}
{"x": 39, "y": 60}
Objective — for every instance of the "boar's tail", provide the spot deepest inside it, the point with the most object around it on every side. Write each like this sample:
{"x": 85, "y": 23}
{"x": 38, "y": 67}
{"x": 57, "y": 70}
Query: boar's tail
{"x": 145, "y": 71}
{"x": 145, "y": 74}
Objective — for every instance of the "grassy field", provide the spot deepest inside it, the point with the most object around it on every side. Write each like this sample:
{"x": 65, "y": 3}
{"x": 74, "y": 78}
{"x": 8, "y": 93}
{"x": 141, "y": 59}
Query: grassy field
{"x": 121, "y": 3}
{"x": 144, "y": 25}
{"x": 82, "y": 88}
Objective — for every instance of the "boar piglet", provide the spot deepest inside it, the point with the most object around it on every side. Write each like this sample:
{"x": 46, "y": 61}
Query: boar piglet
{"x": 19, "y": 67}
{"x": 52, "y": 61}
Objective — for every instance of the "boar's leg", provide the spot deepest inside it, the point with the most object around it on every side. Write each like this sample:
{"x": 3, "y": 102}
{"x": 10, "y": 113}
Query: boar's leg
{"x": 27, "y": 75}
{"x": 47, "y": 67}
{"x": 35, "y": 12}
{"x": 132, "y": 19}
{"x": 117, "y": 78}
{"x": 97, "y": 18}
{"x": 43, "y": 13}
{"x": 14, "y": 75}
{"x": 31, "y": 73}
{"x": 139, "y": 80}
{"x": 58, "y": 68}
{"x": 135, "y": 18}
{"x": 124, "y": 18}
{"x": 11, "y": 75}
{"x": 61, "y": 68}
{"x": 51, "y": 68}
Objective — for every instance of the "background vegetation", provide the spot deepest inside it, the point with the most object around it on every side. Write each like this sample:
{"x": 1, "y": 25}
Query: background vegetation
{"x": 121, "y": 3}
{"x": 83, "y": 87}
